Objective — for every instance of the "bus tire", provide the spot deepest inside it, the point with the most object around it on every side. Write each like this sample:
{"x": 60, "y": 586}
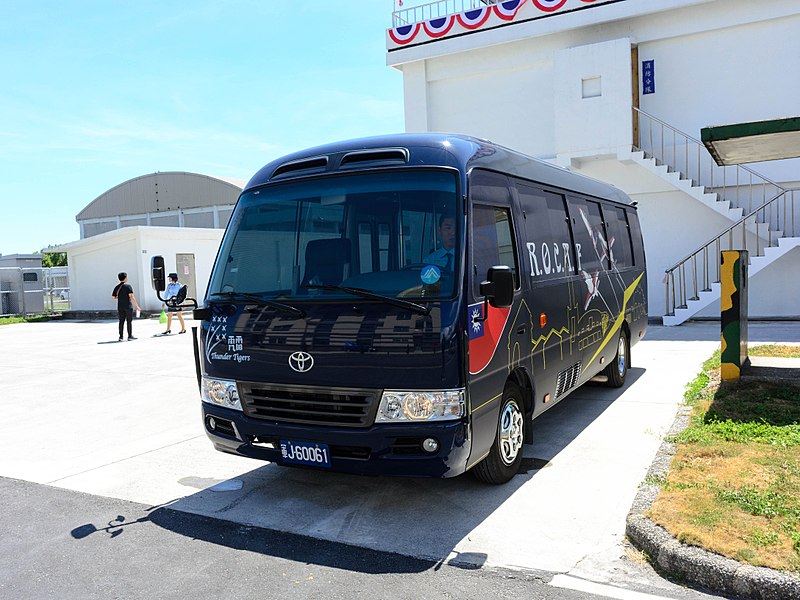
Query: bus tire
{"x": 618, "y": 369}
{"x": 505, "y": 457}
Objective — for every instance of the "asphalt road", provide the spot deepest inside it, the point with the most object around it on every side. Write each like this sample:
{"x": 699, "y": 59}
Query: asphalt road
{"x": 62, "y": 544}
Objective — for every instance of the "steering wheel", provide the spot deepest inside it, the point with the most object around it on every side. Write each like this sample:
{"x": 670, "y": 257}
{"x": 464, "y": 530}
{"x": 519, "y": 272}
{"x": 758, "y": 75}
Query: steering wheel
{"x": 414, "y": 267}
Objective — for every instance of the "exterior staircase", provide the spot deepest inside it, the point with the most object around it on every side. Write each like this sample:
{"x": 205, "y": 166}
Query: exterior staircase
{"x": 761, "y": 212}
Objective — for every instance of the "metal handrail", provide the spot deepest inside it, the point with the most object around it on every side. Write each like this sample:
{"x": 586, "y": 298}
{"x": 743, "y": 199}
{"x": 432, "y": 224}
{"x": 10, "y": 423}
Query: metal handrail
{"x": 689, "y": 156}
{"x": 435, "y": 10}
{"x": 785, "y": 221}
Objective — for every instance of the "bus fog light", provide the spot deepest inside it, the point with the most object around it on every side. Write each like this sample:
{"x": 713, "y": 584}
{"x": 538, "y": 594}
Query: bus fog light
{"x": 212, "y": 423}
{"x": 430, "y": 445}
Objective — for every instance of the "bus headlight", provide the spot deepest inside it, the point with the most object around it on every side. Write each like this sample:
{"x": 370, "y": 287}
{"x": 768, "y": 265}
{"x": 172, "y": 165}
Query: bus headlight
{"x": 221, "y": 392}
{"x": 404, "y": 406}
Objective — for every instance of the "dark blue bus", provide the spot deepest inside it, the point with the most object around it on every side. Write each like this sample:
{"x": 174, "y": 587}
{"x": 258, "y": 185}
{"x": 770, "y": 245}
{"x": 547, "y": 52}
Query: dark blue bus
{"x": 407, "y": 305}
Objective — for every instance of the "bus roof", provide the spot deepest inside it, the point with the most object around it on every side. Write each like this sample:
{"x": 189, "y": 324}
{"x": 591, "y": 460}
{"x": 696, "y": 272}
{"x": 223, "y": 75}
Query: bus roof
{"x": 427, "y": 149}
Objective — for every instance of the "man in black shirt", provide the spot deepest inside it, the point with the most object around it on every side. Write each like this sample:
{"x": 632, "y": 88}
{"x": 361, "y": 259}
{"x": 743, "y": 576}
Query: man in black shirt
{"x": 123, "y": 294}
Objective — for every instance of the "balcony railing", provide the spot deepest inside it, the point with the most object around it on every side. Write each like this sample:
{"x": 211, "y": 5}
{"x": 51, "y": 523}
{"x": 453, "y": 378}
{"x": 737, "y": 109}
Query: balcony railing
{"x": 408, "y": 15}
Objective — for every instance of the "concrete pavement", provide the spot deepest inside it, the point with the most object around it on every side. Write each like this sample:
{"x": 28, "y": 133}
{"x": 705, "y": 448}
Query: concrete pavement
{"x": 122, "y": 420}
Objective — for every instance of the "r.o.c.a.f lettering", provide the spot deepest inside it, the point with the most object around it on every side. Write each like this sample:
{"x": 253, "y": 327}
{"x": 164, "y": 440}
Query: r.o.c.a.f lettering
{"x": 552, "y": 258}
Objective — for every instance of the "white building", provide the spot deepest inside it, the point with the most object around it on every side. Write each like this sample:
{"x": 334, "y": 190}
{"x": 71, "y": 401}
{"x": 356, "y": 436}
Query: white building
{"x": 619, "y": 90}
{"x": 95, "y": 262}
{"x": 180, "y": 216}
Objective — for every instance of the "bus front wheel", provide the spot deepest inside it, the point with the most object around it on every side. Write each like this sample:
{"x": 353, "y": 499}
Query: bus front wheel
{"x": 505, "y": 457}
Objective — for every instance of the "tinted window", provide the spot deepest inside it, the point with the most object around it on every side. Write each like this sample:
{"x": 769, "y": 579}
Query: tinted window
{"x": 490, "y": 188}
{"x": 492, "y": 242}
{"x": 619, "y": 237}
{"x": 370, "y": 231}
{"x": 636, "y": 238}
{"x": 590, "y": 240}
{"x": 549, "y": 244}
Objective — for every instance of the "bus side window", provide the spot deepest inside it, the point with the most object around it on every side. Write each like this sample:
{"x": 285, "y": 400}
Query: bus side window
{"x": 636, "y": 238}
{"x": 591, "y": 247}
{"x": 549, "y": 244}
{"x": 492, "y": 243}
{"x": 619, "y": 237}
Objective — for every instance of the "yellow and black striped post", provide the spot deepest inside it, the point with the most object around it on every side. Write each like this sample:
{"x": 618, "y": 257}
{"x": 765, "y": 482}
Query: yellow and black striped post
{"x": 733, "y": 313}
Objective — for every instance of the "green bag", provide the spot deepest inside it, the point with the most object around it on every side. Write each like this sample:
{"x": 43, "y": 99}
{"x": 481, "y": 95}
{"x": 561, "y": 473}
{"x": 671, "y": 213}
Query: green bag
{"x": 162, "y": 317}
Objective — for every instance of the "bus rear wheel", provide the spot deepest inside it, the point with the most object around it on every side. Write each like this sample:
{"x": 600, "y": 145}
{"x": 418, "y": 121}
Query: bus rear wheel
{"x": 505, "y": 457}
{"x": 618, "y": 369}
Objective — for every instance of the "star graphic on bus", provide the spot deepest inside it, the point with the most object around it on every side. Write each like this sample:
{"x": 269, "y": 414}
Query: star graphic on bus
{"x": 593, "y": 286}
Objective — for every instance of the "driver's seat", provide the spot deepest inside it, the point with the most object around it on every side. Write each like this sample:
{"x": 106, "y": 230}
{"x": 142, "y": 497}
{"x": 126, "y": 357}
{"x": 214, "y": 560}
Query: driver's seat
{"x": 325, "y": 261}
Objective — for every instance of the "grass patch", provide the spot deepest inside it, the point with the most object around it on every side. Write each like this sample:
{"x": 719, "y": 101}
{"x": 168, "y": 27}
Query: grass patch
{"x": 776, "y": 350}
{"x": 734, "y": 483}
{"x": 13, "y": 320}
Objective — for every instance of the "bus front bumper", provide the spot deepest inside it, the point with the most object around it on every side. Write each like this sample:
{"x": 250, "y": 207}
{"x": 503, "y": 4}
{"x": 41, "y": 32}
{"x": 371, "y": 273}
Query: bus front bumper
{"x": 394, "y": 449}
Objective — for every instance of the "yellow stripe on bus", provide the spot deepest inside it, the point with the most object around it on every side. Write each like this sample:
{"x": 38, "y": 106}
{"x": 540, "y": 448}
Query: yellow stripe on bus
{"x": 618, "y": 322}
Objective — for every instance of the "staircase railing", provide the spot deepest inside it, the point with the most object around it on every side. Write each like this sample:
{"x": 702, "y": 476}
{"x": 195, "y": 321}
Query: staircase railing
{"x": 778, "y": 210}
{"x": 739, "y": 185}
{"x": 434, "y": 10}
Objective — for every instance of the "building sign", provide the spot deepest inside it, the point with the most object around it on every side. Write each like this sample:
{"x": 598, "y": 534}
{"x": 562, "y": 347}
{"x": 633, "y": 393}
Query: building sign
{"x": 648, "y": 77}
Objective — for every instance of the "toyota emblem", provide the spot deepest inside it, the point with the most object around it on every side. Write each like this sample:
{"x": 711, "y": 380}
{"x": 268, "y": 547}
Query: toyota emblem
{"x": 301, "y": 361}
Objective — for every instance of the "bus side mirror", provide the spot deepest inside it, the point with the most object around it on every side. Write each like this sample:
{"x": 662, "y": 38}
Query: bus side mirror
{"x": 157, "y": 269}
{"x": 499, "y": 287}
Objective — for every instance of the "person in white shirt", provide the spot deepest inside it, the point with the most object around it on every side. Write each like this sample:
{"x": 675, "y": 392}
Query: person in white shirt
{"x": 172, "y": 290}
{"x": 444, "y": 256}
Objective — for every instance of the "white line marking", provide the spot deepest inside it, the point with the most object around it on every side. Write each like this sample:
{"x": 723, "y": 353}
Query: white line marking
{"x": 599, "y": 589}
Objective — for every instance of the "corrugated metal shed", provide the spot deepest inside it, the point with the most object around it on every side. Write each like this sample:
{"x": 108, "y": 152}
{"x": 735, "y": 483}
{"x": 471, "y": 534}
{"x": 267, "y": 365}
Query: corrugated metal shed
{"x": 161, "y": 192}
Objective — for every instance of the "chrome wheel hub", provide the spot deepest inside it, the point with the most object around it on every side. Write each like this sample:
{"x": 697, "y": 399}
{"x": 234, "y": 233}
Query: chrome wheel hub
{"x": 621, "y": 358}
{"x": 510, "y": 434}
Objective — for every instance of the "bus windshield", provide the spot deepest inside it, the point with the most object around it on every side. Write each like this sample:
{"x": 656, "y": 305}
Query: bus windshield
{"x": 393, "y": 234}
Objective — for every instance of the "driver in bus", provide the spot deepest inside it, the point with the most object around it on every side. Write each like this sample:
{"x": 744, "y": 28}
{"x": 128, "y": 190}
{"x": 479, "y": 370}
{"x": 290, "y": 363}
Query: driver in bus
{"x": 443, "y": 257}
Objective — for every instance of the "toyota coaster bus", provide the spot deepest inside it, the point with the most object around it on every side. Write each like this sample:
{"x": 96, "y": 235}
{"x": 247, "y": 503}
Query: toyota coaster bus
{"x": 407, "y": 305}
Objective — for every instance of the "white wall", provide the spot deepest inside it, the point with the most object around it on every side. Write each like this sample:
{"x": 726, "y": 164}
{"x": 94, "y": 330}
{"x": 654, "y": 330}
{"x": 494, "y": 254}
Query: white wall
{"x": 504, "y": 94}
{"x": 93, "y": 271}
{"x": 733, "y": 74}
{"x": 762, "y": 299}
{"x": 593, "y": 96}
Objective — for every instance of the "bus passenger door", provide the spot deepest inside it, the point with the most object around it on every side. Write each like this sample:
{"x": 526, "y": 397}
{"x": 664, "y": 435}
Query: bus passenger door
{"x": 494, "y": 349}
{"x": 598, "y": 297}
{"x": 551, "y": 275}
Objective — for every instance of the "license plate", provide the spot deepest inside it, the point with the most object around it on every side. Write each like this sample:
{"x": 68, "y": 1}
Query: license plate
{"x": 305, "y": 453}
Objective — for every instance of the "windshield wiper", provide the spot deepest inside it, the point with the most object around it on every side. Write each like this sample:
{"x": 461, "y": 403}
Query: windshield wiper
{"x": 272, "y": 303}
{"x": 419, "y": 308}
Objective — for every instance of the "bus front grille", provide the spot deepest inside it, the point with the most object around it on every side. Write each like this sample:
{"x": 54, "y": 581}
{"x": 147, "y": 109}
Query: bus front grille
{"x": 335, "y": 407}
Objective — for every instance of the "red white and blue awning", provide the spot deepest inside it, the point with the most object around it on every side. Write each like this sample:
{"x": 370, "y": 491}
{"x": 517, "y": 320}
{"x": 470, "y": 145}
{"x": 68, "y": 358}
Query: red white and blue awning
{"x": 404, "y": 34}
{"x": 485, "y": 17}
{"x": 436, "y": 28}
{"x": 549, "y": 5}
{"x": 472, "y": 19}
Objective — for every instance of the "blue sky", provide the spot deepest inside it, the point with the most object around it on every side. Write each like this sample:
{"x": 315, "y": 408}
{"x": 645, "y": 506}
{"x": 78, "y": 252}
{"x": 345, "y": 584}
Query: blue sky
{"x": 96, "y": 93}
